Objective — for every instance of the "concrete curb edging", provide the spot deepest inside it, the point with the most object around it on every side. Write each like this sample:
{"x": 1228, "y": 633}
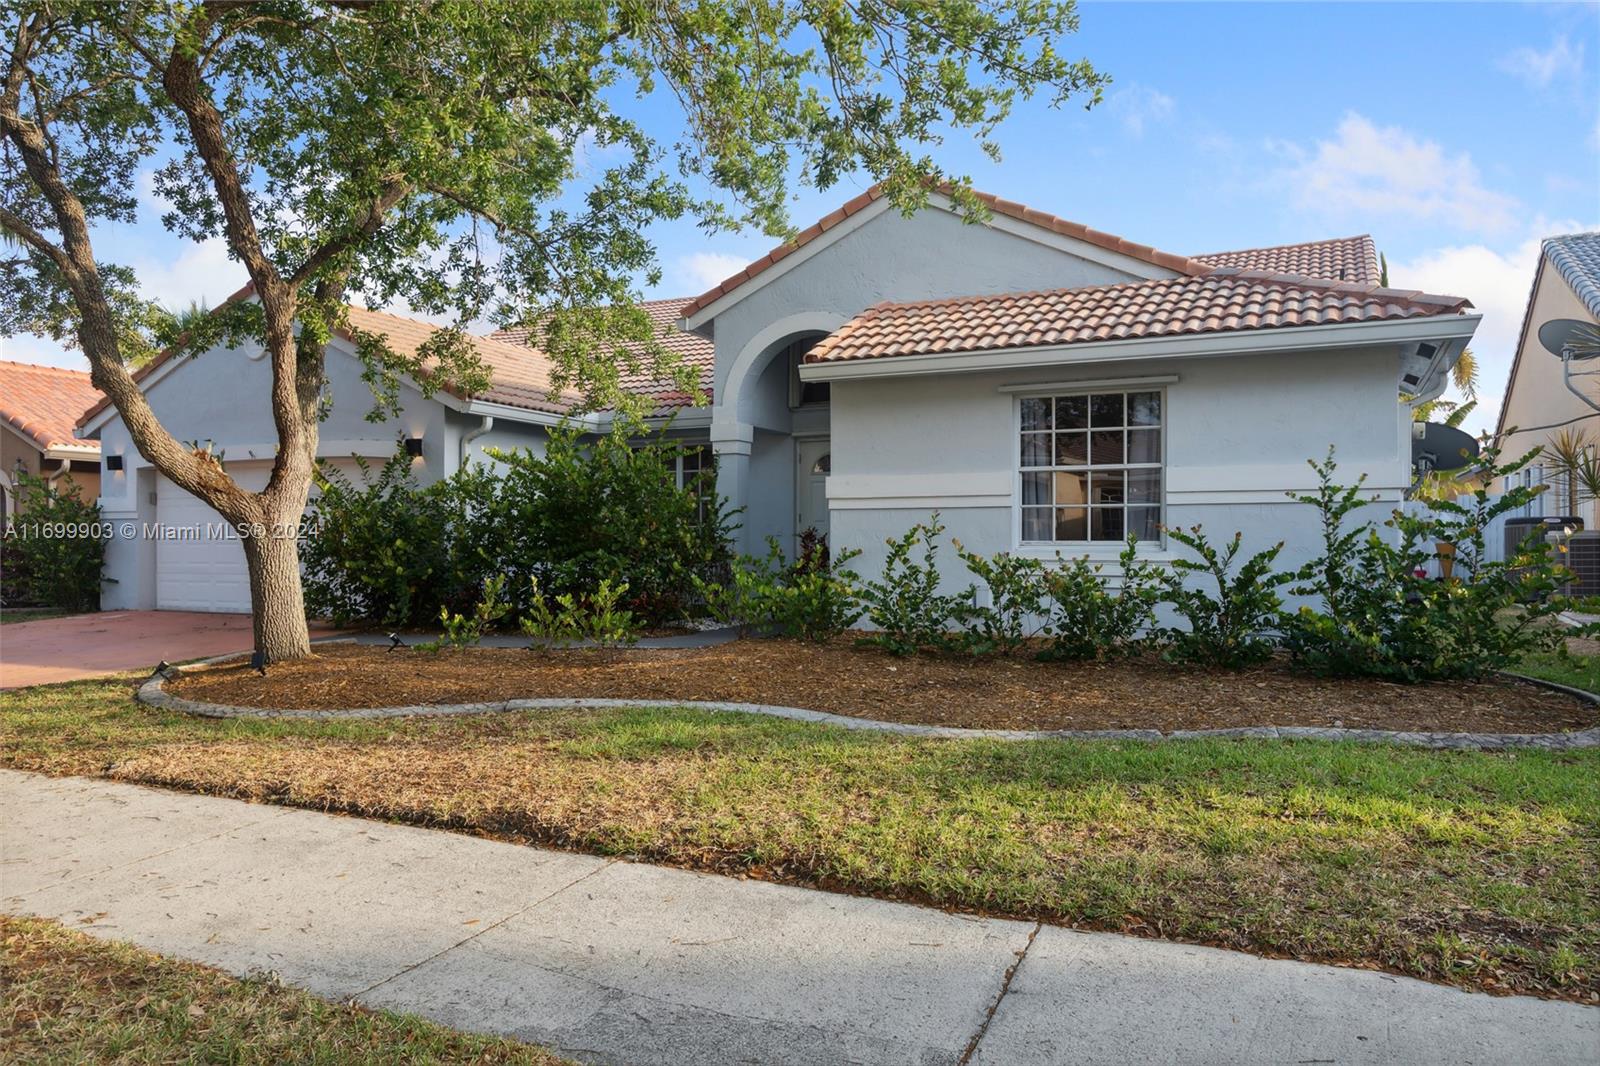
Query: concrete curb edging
{"x": 152, "y": 693}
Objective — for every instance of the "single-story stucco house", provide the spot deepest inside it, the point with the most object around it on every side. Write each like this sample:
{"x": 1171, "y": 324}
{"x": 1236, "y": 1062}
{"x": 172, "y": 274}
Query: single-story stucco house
{"x": 1044, "y": 385}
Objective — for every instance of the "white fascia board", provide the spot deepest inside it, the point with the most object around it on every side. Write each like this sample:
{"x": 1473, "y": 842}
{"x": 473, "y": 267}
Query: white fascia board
{"x": 70, "y": 452}
{"x": 774, "y": 271}
{"x": 1187, "y": 345}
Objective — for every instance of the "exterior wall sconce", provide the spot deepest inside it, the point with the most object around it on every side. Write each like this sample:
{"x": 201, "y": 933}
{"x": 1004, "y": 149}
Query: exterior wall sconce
{"x": 414, "y": 447}
{"x": 113, "y": 462}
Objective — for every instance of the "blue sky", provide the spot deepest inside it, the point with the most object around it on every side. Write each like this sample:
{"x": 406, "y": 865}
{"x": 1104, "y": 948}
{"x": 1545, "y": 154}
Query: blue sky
{"x": 1457, "y": 135}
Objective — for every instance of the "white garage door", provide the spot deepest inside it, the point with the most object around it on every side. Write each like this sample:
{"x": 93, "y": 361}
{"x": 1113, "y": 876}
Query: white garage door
{"x": 199, "y": 567}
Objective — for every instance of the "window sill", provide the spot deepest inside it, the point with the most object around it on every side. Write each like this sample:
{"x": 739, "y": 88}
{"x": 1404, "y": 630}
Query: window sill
{"x": 1094, "y": 552}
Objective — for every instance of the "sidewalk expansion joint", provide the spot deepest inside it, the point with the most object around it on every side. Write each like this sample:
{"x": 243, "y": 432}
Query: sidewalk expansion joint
{"x": 1005, "y": 987}
{"x": 519, "y": 912}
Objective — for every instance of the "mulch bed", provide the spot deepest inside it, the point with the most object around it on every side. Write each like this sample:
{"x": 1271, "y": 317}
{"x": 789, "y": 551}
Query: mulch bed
{"x": 864, "y": 682}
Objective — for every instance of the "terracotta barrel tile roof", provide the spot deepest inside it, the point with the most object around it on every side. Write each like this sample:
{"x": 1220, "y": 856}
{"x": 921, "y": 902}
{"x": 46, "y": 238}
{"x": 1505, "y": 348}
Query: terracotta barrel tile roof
{"x": 43, "y": 403}
{"x": 694, "y": 349}
{"x": 1352, "y": 259}
{"x": 1225, "y": 300}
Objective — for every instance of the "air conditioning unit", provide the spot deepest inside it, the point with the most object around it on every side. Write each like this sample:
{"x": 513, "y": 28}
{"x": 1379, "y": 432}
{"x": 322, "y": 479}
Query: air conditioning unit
{"x": 1562, "y": 531}
{"x": 1583, "y": 559}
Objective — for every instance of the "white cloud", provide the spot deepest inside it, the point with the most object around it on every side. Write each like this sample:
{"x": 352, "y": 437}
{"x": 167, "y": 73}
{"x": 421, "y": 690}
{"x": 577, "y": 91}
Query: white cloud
{"x": 699, "y": 271}
{"x": 1497, "y": 283}
{"x": 1369, "y": 170}
{"x": 1538, "y": 68}
{"x": 201, "y": 273}
{"x": 1138, "y": 105}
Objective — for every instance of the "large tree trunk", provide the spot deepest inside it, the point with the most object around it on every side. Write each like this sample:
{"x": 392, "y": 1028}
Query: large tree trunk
{"x": 279, "y": 614}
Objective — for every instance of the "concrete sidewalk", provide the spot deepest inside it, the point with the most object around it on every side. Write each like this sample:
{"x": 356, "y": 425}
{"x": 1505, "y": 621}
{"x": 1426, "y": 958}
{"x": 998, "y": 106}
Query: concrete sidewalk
{"x": 615, "y": 962}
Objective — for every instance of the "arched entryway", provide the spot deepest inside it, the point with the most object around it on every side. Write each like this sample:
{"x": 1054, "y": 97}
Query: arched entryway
{"x": 769, "y": 429}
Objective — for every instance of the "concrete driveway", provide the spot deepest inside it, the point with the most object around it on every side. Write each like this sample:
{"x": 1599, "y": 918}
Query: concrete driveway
{"x": 93, "y": 645}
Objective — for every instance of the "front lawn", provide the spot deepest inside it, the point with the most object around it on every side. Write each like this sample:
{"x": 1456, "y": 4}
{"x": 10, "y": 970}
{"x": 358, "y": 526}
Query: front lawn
{"x": 1479, "y": 869}
{"x": 72, "y": 998}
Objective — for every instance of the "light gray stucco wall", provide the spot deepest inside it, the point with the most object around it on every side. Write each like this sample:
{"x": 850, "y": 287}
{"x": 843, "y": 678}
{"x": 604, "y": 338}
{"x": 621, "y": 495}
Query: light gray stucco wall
{"x": 931, "y": 255}
{"x": 1238, "y": 433}
{"x": 221, "y": 395}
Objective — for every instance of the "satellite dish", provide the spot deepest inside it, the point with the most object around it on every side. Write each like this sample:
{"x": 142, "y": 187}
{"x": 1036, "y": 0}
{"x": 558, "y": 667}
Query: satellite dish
{"x": 1442, "y": 447}
{"x": 1570, "y": 339}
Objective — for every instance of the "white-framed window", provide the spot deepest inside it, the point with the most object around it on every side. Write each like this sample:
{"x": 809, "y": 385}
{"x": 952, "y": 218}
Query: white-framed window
{"x": 1091, "y": 466}
{"x": 694, "y": 468}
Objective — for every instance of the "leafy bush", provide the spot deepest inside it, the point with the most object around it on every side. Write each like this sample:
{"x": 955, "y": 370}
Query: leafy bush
{"x": 905, "y": 604}
{"x": 386, "y": 550}
{"x": 1016, "y": 602}
{"x": 608, "y": 510}
{"x": 597, "y": 618}
{"x": 812, "y": 598}
{"x": 463, "y": 631}
{"x": 584, "y": 512}
{"x": 1231, "y": 627}
{"x": 53, "y": 549}
{"x": 1088, "y": 620}
{"x": 1382, "y": 615}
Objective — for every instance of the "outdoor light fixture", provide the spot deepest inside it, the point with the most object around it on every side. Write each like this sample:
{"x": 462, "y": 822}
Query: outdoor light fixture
{"x": 414, "y": 447}
{"x": 113, "y": 462}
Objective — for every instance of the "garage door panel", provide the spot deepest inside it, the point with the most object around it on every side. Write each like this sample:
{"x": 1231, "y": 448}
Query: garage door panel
{"x": 203, "y": 569}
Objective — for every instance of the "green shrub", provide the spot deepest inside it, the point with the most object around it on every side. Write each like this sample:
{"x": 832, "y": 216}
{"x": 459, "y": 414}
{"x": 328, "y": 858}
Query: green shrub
{"x": 463, "y": 631}
{"x": 568, "y": 618}
{"x": 1090, "y": 621}
{"x": 905, "y": 604}
{"x": 1016, "y": 602}
{"x": 812, "y": 598}
{"x": 54, "y": 548}
{"x": 1231, "y": 627}
{"x": 585, "y": 512}
{"x": 608, "y": 510}
{"x": 1382, "y": 616}
{"x": 388, "y": 551}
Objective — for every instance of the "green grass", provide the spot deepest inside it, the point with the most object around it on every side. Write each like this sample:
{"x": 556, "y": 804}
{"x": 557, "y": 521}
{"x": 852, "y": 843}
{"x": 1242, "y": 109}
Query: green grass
{"x": 11, "y": 615}
{"x": 1579, "y": 671}
{"x": 70, "y": 998}
{"x": 1481, "y": 869}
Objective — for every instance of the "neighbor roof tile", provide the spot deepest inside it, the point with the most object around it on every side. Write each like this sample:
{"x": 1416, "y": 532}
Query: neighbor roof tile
{"x": 43, "y": 403}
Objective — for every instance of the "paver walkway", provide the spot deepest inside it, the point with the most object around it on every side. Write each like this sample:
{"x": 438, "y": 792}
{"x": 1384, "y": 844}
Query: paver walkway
{"x": 614, "y": 962}
{"x": 109, "y": 642}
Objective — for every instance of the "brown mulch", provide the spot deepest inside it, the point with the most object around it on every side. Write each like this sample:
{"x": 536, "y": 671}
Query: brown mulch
{"x": 864, "y": 682}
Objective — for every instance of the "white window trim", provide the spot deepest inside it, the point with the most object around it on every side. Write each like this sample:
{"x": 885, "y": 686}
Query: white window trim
{"x": 1096, "y": 551}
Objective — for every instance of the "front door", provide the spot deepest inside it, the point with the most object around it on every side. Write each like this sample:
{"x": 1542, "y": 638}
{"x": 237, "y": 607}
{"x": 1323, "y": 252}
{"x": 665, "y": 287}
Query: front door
{"x": 813, "y": 463}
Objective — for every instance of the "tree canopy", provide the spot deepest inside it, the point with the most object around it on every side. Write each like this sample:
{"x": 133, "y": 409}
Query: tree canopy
{"x": 478, "y": 160}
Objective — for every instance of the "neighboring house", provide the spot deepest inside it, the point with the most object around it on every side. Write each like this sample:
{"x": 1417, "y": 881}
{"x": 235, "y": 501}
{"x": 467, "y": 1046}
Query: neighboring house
{"x": 1538, "y": 405}
{"x": 40, "y": 407}
{"x": 1044, "y": 385}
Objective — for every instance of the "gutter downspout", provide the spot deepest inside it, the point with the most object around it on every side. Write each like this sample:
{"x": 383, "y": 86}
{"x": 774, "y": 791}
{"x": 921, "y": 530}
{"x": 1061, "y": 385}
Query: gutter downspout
{"x": 467, "y": 438}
